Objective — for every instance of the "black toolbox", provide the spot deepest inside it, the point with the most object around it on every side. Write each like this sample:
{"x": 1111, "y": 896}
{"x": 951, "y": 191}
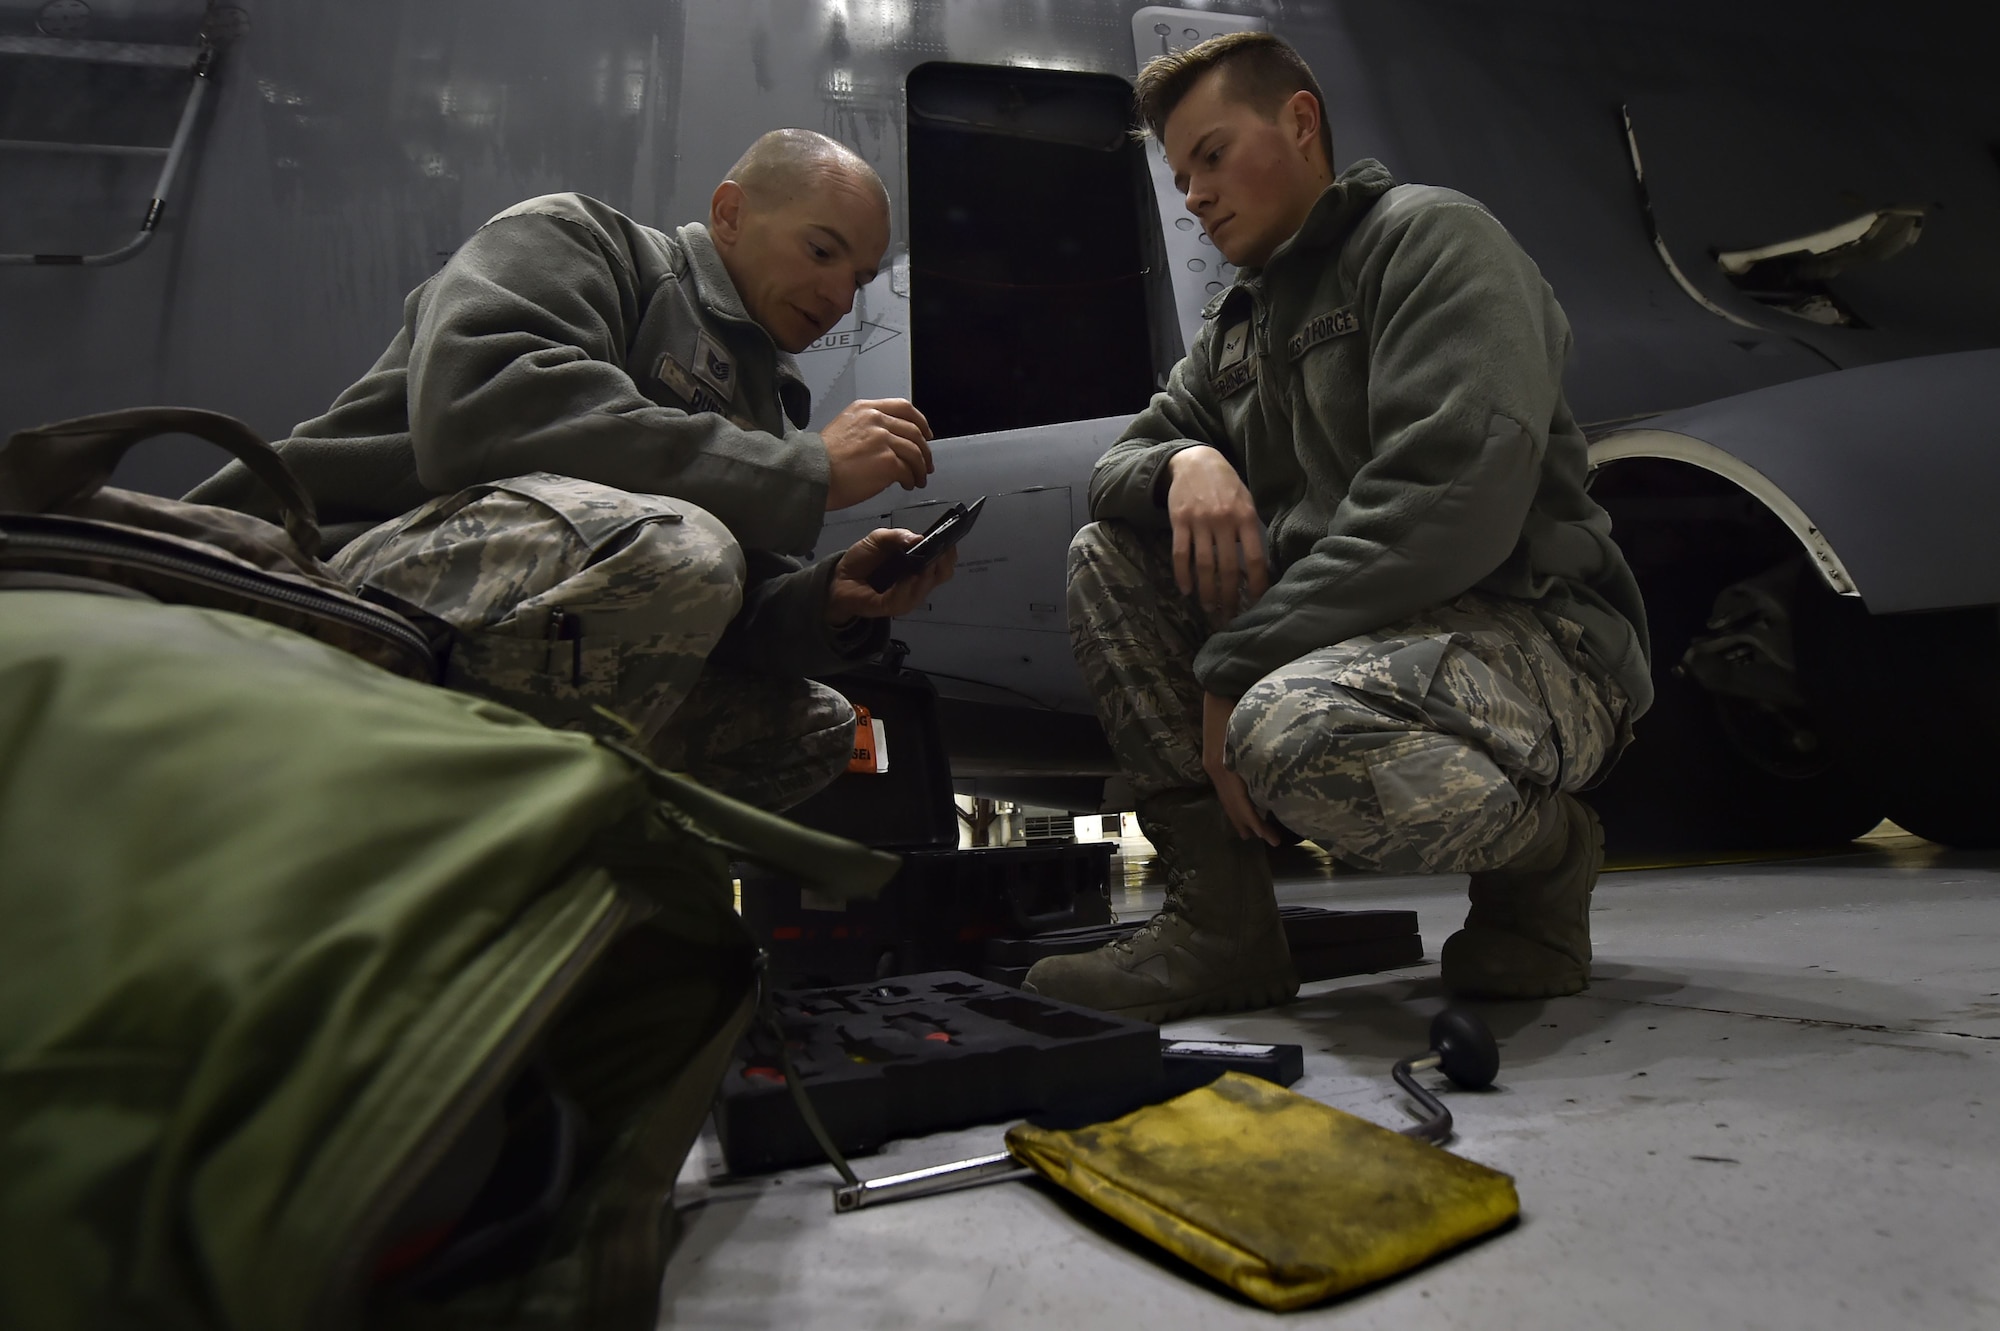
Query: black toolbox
{"x": 908, "y": 807}
{"x": 938, "y": 913}
{"x": 944, "y": 903}
{"x": 1324, "y": 943}
{"x": 917, "y": 1054}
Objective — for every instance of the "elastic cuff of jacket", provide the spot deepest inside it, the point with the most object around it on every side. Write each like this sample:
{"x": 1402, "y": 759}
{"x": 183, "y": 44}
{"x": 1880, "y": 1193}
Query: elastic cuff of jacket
{"x": 1224, "y": 676}
{"x": 822, "y": 592}
{"x": 858, "y": 640}
{"x": 819, "y": 471}
{"x": 1162, "y": 477}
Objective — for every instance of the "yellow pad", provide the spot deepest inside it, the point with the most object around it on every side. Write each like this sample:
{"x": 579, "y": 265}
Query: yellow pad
{"x": 1281, "y": 1197}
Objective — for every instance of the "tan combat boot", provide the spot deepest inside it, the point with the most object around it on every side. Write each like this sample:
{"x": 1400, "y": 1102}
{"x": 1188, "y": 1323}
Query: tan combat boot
{"x": 1528, "y": 932}
{"x": 1217, "y": 945}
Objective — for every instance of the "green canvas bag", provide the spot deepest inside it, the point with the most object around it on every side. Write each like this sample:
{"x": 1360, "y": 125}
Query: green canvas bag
{"x": 280, "y": 930}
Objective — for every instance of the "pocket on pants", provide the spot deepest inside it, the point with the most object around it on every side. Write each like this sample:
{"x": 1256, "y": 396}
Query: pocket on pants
{"x": 1395, "y": 675}
{"x": 1444, "y": 682}
{"x": 558, "y": 681}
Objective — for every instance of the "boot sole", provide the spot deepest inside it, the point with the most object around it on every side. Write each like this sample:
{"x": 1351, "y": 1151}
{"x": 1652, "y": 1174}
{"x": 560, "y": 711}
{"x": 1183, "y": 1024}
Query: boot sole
{"x": 1216, "y": 1002}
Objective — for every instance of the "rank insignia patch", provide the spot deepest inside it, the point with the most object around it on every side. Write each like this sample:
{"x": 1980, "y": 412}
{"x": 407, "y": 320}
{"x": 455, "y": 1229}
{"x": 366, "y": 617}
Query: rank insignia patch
{"x": 1323, "y": 328}
{"x": 1235, "y": 367}
{"x": 713, "y": 367}
{"x": 1235, "y": 345}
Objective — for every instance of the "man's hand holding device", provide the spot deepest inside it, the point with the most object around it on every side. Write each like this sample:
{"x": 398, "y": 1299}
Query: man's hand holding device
{"x": 891, "y": 572}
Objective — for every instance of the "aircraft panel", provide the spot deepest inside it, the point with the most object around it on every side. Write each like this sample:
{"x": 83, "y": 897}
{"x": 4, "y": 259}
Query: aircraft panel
{"x": 1011, "y": 580}
{"x": 1735, "y": 170}
{"x": 1030, "y": 668}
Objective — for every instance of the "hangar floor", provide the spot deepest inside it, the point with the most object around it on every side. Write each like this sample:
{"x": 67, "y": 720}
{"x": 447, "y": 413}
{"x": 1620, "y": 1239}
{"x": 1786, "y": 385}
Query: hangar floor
{"x": 1778, "y": 1106}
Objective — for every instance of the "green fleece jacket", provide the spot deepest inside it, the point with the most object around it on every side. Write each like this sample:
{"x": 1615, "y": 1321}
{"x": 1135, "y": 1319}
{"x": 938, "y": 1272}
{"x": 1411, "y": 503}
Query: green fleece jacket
{"x": 565, "y": 337}
{"x": 1389, "y": 386}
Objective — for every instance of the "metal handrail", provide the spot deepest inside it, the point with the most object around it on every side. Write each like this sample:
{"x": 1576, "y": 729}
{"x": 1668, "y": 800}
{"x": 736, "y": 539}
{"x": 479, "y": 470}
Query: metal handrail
{"x": 202, "y": 61}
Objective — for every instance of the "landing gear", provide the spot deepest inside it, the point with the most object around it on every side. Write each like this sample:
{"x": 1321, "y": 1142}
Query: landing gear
{"x": 1737, "y": 754}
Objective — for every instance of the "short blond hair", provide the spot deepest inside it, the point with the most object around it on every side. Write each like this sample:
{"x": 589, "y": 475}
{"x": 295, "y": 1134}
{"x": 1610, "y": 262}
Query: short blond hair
{"x": 1259, "y": 71}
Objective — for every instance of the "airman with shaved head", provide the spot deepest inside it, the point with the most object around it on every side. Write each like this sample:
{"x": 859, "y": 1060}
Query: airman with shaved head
{"x": 583, "y": 459}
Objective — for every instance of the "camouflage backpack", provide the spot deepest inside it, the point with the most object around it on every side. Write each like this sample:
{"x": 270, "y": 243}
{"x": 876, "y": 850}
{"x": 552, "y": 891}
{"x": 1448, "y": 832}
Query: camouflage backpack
{"x": 63, "y": 525}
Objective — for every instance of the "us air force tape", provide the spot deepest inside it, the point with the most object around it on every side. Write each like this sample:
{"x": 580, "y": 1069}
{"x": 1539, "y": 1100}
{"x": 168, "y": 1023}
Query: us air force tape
{"x": 1323, "y": 328}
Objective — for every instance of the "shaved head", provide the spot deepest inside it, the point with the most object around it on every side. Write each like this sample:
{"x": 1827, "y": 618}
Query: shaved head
{"x": 782, "y": 165}
{"x": 801, "y": 224}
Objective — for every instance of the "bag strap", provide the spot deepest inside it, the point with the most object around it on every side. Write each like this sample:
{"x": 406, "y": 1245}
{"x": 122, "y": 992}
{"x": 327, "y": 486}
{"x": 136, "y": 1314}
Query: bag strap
{"x": 839, "y": 868}
{"x": 53, "y": 467}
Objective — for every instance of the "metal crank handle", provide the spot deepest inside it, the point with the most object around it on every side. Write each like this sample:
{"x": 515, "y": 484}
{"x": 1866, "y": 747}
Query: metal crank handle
{"x": 973, "y": 1173}
{"x": 1435, "y": 1127}
{"x": 1464, "y": 1048}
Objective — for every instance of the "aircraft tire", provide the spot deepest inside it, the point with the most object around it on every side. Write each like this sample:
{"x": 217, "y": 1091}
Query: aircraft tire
{"x": 1687, "y": 787}
{"x": 1917, "y": 702}
{"x": 1684, "y": 789}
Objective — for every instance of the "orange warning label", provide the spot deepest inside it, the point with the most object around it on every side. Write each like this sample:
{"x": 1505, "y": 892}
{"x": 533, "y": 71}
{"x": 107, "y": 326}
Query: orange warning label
{"x": 864, "y": 743}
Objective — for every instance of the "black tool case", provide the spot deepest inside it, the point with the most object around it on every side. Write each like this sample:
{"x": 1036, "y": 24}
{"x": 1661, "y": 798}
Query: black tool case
{"x": 937, "y": 913}
{"x": 942, "y": 906}
{"x": 908, "y": 807}
{"x": 918, "y": 1054}
{"x": 1324, "y": 943}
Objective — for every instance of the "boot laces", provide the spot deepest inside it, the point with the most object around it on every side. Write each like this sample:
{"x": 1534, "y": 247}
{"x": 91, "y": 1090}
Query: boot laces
{"x": 1173, "y": 906}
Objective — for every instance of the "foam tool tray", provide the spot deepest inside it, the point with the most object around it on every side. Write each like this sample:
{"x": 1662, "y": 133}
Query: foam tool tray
{"x": 1324, "y": 943}
{"x": 923, "y": 1053}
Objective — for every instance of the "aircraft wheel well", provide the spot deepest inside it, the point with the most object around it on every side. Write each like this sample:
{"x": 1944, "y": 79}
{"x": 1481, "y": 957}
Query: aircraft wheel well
{"x": 1734, "y": 755}
{"x": 1658, "y": 451}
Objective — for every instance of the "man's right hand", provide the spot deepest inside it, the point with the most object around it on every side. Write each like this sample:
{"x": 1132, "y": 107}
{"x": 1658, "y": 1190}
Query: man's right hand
{"x": 1218, "y": 540}
{"x": 873, "y": 445}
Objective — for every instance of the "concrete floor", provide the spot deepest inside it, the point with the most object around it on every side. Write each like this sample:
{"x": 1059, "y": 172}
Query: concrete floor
{"x": 1777, "y": 1106}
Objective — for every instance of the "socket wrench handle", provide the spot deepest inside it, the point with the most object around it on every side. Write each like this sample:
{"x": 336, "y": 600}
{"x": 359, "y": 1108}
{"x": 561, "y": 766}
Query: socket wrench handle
{"x": 973, "y": 1173}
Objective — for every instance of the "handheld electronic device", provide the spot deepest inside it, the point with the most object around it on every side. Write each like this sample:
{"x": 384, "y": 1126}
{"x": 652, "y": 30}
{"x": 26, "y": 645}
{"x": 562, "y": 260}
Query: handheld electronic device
{"x": 939, "y": 537}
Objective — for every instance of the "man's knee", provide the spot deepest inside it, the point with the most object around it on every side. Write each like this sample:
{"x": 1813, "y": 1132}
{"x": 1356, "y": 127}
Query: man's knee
{"x": 1380, "y": 791}
{"x": 768, "y": 742}
{"x": 1121, "y": 585}
{"x": 647, "y": 560}
{"x": 1288, "y": 737}
{"x": 568, "y": 598}
{"x": 675, "y": 571}
{"x": 825, "y": 744}
{"x": 507, "y": 555}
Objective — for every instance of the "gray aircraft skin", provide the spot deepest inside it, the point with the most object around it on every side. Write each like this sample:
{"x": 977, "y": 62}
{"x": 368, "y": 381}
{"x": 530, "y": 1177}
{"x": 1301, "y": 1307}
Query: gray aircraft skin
{"x": 1773, "y": 229}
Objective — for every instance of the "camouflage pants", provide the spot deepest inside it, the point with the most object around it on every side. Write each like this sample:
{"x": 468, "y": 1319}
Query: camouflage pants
{"x": 568, "y": 597}
{"x": 1430, "y": 746}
